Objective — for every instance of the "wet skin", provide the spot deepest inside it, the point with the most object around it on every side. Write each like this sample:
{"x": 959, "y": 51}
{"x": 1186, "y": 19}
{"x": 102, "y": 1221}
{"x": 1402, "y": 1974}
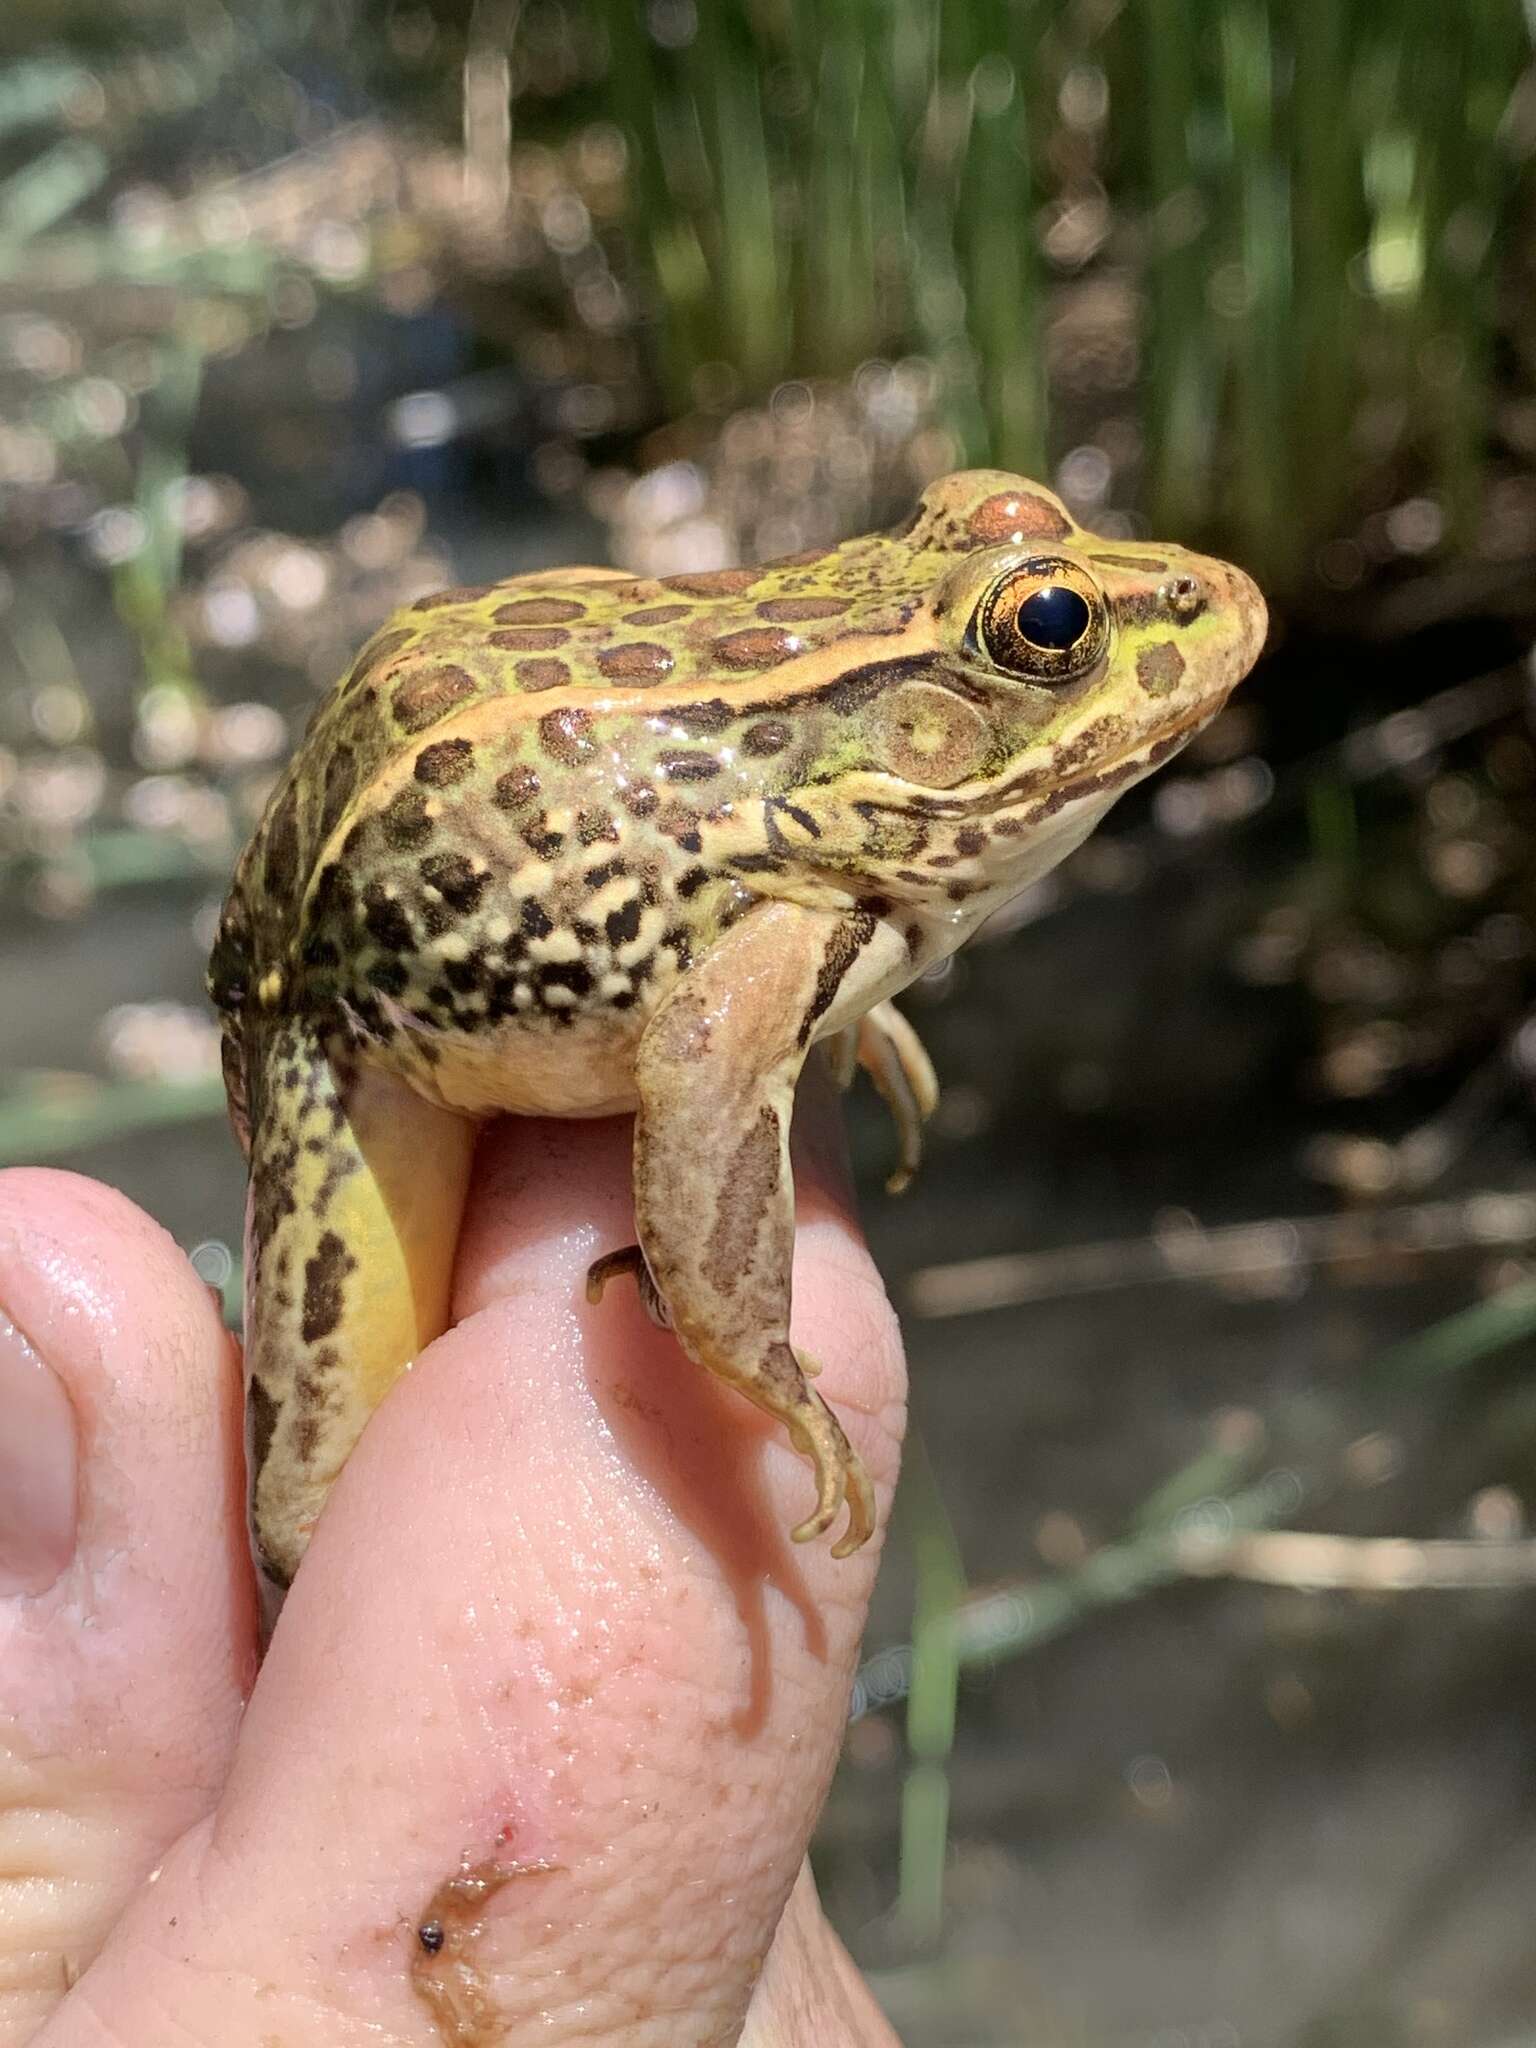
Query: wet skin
{"x": 579, "y": 843}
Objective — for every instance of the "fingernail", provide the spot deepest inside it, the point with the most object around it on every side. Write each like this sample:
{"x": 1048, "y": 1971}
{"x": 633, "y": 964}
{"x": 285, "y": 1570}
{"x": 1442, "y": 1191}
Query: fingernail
{"x": 39, "y": 1469}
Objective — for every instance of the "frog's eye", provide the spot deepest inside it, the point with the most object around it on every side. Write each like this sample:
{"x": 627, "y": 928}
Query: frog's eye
{"x": 1045, "y": 620}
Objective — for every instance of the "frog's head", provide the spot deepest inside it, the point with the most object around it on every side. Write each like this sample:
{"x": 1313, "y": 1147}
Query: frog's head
{"x": 1048, "y": 670}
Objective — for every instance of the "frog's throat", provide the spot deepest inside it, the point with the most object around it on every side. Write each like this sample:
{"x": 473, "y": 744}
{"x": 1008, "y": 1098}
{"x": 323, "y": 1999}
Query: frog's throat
{"x": 357, "y": 1190}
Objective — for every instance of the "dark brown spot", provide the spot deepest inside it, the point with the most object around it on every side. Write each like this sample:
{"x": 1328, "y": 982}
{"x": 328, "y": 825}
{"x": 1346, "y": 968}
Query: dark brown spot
{"x": 657, "y": 615}
{"x": 970, "y": 840}
{"x": 754, "y": 647}
{"x": 325, "y": 1273}
{"x": 340, "y": 781}
{"x": 1159, "y": 667}
{"x": 540, "y": 840}
{"x": 444, "y": 763}
{"x": 539, "y": 611}
{"x": 454, "y": 879}
{"x": 519, "y": 786}
{"x": 385, "y": 921}
{"x": 623, "y": 924}
{"x": 605, "y": 871}
{"x": 706, "y": 715}
{"x": 851, "y": 935}
{"x": 263, "y": 1420}
{"x": 681, "y": 767}
{"x": 542, "y": 675}
{"x": 1016, "y": 513}
{"x": 692, "y": 882}
{"x": 571, "y": 974}
{"x": 639, "y": 799}
{"x": 1152, "y": 565}
{"x": 636, "y": 661}
{"x": 429, "y": 694}
{"x": 789, "y": 611}
{"x": 744, "y": 1201}
{"x": 461, "y": 593}
{"x": 768, "y": 736}
{"x": 803, "y": 560}
{"x": 280, "y": 863}
{"x": 712, "y": 582}
{"x": 566, "y": 735}
{"x": 536, "y": 920}
{"x": 405, "y": 821}
{"x": 528, "y": 639}
{"x": 596, "y": 824}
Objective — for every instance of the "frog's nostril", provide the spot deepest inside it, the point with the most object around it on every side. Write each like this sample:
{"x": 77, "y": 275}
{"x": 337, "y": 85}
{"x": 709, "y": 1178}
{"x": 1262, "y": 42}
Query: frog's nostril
{"x": 1183, "y": 597}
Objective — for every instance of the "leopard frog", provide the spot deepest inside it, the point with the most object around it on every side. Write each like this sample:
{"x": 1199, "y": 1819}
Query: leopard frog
{"x": 584, "y": 842}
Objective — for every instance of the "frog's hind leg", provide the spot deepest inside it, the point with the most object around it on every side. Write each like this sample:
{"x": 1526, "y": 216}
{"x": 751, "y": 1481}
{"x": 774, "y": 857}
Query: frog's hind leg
{"x": 885, "y": 1045}
{"x": 357, "y": 1190}
{"x": 714, "y": 1199}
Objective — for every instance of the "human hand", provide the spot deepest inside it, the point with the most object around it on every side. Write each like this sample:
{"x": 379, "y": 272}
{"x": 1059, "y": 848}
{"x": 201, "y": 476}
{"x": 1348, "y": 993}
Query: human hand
{"x": 551, "y": 1633}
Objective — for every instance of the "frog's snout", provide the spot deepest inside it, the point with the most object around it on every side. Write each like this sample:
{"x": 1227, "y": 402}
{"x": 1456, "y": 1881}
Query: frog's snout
{"x": 1243, "y": 602}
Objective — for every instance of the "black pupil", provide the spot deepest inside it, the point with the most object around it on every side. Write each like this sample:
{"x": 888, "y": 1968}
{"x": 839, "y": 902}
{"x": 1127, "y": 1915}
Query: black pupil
{"x": 1055, "y": 617}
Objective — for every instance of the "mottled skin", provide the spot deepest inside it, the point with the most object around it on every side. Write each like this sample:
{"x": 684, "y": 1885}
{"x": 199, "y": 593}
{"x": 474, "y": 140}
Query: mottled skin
{"x": 579, "y": 843}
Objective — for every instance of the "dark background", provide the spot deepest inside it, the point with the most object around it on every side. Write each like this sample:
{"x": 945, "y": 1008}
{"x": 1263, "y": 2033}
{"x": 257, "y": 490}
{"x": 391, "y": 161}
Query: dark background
{"x": 1198, "y": 1708}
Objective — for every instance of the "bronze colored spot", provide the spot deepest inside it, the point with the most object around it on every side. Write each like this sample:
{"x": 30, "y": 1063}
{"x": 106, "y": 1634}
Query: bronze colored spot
{"x": 444, "y": 763}
{"x": 636, "y": 661}
{"x": 461, "y": 593}
{"x": 755, "y": 647}
{"x": 519, "y": 786}
{"x": 528, "y": 639}
{"x": 792, "y": 610}
{"x": 566, "y": 735}
{"x": 803, "y": 560}
{"x": 713, "y": 582}
{"x": 768, "y": 736}
{"x": 340, "y": 781}
{"x": 542, "y": 675}
{"x": 280, "y": 864}
{"x": 683, "y": 767}
{"x": 428, "y": 694}
{"x": 539, "y": 611}
{"x": 657, "y": 615}
{"x": 1016, "y": 513}
{"x": 454, "y": 879}
{"x": 405, "y": 821}
{"x": 1159, "y": 667}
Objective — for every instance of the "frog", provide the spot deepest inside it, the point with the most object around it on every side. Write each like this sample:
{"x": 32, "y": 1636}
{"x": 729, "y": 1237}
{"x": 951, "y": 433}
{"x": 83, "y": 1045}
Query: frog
{"x": 586, "y": 842}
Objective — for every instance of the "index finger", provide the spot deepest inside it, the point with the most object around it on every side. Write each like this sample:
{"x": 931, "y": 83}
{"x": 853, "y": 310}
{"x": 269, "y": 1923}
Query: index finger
{"x": 554, "y": 1701}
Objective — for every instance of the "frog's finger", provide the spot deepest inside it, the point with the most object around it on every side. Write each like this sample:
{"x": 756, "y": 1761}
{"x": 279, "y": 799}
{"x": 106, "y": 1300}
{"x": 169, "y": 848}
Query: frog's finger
{"x": 357, "y": 1190}
{"x": 553, "y": 1704}
{"x": 126, "y": 1617}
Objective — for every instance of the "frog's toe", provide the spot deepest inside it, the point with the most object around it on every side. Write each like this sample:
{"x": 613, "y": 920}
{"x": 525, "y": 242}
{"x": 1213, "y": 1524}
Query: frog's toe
{"x": 840, "y": 1477}
{"x": 631, "y": 1262}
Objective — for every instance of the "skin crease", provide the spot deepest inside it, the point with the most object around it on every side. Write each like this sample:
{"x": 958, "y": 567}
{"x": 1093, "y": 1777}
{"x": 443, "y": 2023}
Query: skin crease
{"x": 631, "y": 1688}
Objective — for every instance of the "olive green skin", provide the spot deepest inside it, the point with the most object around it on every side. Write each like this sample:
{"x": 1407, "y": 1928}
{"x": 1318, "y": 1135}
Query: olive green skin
{"x": 539, "y": 821}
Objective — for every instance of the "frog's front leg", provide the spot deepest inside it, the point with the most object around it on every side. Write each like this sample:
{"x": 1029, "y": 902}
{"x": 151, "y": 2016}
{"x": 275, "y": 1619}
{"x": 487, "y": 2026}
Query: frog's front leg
{"x": 714, "y": 1199}
{"x": 357, "y": 1190}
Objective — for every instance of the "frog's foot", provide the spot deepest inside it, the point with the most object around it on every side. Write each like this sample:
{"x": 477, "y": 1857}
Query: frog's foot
{"x": 780, "y": 1388}
{"x": 892, "y": 1055}
{"x": 714, "y": 1201}
{"x": 629, "y": 1263}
